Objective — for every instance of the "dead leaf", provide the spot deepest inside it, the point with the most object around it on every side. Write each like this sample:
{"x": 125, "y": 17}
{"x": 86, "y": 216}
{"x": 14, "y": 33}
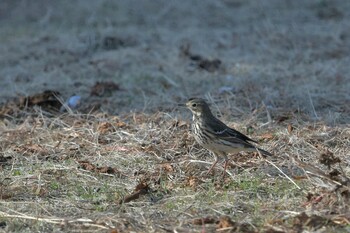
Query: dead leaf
{"x": 29, "y": 149}
{"x": 205, "y": 220}
{"x": 334, "y": 175}
{"x": 105, "y": 127}
{"x": 299, "y": 177}
{"x": 39, "y": 190}
{"x": 104, "y": 88}
{"x": 290, "y": 128}
{"x": 167, "y": 167}
{"x": 46, "y": 100}
{"x": 86, "y": 165}
{"x": 151, "y": 148}
{"x": 274, "y": 229}
{"x": 312, "y": 221}
{"x": 107, "y": 170}
{"x": 4, "y": 196}
{"x": 282, "y": 118}
{"x": 141, "y": 189}
{"x": 313, "y": 199}
{"x": 329, "y": 159}
{"x": 3, "y": 159}
{"x": 114, "y": 231}
{"x": 192, "y": 181}
{"x": 210, "y": 65}
{"x": 267, "y": 136}
{"x": 120, "y": 124}
{"x": 226, "y": 222}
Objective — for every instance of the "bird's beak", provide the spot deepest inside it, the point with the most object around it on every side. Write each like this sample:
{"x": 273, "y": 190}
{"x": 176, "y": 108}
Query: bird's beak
{"x": 181, "y": 105}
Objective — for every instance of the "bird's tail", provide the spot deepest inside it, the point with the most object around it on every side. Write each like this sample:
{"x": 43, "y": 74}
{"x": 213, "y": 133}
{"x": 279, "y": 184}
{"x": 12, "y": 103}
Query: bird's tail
{"x": 264, "y": 152}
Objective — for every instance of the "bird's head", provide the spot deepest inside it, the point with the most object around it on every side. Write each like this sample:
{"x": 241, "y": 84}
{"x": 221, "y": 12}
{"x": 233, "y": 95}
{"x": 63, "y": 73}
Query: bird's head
{"x": 198, "y": 106}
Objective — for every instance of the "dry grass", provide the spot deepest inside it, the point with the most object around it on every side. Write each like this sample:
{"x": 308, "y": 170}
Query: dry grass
{"x": 45, "y": 185}
{"x": 125, "y": 161}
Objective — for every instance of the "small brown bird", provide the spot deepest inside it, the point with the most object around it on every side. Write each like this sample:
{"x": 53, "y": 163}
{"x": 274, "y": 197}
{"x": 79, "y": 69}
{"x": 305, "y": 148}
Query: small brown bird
{"x": 214, "y": 135}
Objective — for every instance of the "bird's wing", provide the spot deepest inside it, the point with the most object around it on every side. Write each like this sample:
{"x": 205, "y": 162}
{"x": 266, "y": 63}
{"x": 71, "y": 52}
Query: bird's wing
{"x": 225, "y": 132}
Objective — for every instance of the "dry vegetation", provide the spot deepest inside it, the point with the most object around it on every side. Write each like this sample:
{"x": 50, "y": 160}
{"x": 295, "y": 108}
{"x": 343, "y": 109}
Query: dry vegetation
{"x": 125, "y": 161}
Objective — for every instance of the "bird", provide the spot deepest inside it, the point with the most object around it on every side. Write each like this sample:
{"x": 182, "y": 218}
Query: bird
{"x": 216, "y": 136}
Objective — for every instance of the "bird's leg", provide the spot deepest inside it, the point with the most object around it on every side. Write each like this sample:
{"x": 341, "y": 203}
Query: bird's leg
{"x": 225, "y": 166}
{"x": 215, "y": 162}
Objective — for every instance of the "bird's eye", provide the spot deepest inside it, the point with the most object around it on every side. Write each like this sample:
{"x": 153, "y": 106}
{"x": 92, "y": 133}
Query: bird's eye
{"x": 194, "y": 105}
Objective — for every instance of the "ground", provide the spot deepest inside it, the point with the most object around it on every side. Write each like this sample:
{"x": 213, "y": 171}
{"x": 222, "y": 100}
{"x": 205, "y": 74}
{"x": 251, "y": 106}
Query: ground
{"x": 124, "y": 160}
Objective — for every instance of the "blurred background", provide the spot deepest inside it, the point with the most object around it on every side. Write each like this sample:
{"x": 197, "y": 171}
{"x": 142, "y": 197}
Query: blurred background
{"x": 123, "y": 158}
{"x": 286, "y": 57}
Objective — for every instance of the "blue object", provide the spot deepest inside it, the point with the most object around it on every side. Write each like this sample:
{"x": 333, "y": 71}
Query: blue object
{"x": 74, "y": 101}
